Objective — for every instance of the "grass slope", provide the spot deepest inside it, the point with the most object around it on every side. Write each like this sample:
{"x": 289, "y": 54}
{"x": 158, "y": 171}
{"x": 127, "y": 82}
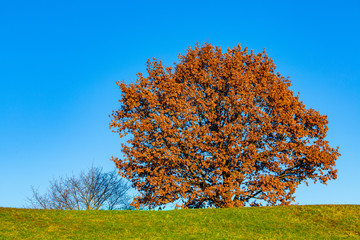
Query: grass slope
{"x": 290, "y": 222}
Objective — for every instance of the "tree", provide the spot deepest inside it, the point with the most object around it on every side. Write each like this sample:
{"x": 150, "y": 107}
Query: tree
{"x": 92, "y": 190}
{"x": 219, "y": 130}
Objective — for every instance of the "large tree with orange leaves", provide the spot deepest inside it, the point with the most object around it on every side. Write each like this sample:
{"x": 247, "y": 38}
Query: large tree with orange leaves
{"x": 219, "y": 130}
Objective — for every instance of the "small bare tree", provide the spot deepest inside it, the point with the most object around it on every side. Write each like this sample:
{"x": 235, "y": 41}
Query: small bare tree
{"x": 92, "y": 190}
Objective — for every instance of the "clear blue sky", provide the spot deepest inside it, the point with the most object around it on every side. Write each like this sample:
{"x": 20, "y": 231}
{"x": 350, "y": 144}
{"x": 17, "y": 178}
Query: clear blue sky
{"x": 59, "y": 61}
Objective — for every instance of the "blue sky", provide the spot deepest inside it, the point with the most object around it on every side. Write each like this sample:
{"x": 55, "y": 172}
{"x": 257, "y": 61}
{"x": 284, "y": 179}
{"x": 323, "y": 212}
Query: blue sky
{"x": 59, "y": 61}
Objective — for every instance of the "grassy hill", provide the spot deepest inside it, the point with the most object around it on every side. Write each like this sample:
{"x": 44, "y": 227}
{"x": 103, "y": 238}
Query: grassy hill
{"x": 291, "y": 222}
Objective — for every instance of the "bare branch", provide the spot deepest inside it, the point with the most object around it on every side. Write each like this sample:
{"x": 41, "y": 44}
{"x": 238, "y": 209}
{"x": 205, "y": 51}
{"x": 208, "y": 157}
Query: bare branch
{"x": 92, "y": 190}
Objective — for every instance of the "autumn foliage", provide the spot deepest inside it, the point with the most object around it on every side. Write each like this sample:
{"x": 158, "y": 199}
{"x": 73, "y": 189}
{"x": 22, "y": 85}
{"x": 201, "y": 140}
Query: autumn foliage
{"x": 219, "y": 130}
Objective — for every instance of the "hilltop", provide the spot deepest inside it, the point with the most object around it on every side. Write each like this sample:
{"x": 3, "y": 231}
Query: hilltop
{"x": 284, "y": 222}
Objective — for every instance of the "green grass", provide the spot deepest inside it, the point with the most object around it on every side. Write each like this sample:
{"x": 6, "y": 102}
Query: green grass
{"x": 290, "y": 222}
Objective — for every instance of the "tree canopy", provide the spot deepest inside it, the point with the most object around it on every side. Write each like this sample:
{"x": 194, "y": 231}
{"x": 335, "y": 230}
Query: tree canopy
{"x": 219, "y": 130}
